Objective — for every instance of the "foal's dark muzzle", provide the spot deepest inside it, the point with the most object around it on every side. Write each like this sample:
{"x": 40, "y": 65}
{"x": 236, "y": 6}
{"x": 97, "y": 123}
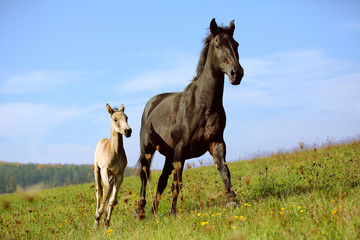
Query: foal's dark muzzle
{"x": 128, "y": 132}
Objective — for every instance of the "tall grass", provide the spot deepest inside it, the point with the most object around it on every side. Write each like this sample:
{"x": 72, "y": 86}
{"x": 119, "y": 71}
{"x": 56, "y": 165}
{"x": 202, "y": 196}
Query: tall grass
{"x": 310, "y": 193}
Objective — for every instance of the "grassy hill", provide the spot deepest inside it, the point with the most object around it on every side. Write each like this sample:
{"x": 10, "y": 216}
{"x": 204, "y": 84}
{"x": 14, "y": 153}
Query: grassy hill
{"x": 310, "y": 193}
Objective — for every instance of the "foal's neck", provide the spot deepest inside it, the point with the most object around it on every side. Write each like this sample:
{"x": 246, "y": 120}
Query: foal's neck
{"x": 116, "y": 141}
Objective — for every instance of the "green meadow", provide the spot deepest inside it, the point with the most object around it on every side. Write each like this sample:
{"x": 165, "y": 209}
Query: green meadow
{"x": 312, "y": 192}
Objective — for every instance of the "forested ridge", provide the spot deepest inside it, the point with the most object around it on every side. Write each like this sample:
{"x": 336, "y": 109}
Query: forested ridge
{"x": 13, "y": 175}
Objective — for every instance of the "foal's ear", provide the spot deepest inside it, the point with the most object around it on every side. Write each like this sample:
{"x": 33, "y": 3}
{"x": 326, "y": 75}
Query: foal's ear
{"x": 122, "y": 108}
{"x": 213, "y": 27}
{"x": 231, "y": 28}
{"x": 109, "y": 109}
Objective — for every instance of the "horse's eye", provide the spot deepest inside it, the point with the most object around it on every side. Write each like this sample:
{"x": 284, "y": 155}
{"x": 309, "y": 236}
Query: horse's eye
{"x": 217, "y": 46}
{"x": 115, "y": 120}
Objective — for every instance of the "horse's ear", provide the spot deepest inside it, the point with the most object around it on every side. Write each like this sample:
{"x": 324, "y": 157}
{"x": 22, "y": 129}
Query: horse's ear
{"x": 109, "y": 109}
{"x": 213, "y": 27}
{"x": 231, "y": 28}
{"x": 122, "y": 108}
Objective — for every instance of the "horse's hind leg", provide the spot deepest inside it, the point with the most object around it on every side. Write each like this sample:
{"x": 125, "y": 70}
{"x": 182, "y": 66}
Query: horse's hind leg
{"x": 145, "y": 160}
{"x": 168, "y": 167}
{"x": 99, "y": 193}
{"x": 218, "y": 151}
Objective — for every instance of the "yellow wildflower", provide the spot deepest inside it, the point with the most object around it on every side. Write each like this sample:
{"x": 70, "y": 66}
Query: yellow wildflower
{"x": 204, "y": 223}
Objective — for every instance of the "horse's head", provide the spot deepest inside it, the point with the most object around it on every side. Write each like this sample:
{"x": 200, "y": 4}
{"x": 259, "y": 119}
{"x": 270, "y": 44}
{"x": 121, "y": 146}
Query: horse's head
{"x": 225, "y": 50}
{"x": 119, "y": 120}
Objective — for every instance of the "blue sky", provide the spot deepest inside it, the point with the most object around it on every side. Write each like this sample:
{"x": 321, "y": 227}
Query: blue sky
{"x": 62, "y": 61}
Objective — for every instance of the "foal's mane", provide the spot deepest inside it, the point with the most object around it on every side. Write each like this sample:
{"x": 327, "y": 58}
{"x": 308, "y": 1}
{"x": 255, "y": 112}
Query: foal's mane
{"x": 204, "y": 52}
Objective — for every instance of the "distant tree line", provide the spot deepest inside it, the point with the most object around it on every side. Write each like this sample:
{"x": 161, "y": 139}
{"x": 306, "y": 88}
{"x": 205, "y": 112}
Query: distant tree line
{"x": 25, "y": 175}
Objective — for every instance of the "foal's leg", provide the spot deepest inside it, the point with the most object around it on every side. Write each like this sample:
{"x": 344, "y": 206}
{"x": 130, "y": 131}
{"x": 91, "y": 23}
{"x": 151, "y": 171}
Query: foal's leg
{"x": 218, "y": 151}
{"x": 168, "y": 167}
{"x": 99, "y": 193}
{"x": 113, "y": 200}
{"x": 106, "y": 193}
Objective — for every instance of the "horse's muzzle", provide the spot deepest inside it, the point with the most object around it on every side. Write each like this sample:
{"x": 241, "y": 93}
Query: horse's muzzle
{"x": 236, "y": 75}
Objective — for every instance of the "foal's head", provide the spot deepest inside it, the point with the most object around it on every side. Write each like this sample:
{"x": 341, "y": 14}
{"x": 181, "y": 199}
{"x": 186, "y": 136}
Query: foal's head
{"x": 225, "y": 50}
{"x": 119, "y": 120}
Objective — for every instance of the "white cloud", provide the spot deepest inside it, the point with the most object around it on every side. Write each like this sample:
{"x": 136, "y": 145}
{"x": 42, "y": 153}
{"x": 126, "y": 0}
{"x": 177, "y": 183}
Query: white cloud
{"x": 37, "y": 119}
{"x": 352, "y": 25}
{"x": 40, "y": 81}
{"x": 176, "y": 71}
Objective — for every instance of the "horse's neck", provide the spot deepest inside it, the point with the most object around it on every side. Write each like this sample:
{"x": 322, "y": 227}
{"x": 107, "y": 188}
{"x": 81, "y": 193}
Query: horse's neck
{"x": 210, "y": 85}
{"x": 116, "y": 142}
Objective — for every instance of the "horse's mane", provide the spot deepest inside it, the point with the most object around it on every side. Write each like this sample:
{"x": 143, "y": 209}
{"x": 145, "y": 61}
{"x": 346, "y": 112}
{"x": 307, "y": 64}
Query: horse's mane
{"x": 204, "y": 52}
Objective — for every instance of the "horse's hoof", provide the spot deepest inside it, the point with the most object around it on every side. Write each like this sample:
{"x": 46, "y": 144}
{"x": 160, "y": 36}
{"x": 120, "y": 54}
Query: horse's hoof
{"x": 172, "y": 212}
{"x": 139, "y": 214}
{"x": 232, "y": 205}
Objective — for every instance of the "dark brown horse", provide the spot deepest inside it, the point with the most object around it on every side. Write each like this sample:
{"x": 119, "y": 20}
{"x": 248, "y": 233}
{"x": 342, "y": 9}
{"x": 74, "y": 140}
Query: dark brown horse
{"x": 186, "y": 124}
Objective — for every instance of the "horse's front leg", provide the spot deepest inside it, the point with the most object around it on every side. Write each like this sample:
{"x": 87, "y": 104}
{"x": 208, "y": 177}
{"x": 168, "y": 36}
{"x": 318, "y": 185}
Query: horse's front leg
{"x": 218, "y": 151}
{"x": 168, "y": 167}
{"x": 113, "y": 200}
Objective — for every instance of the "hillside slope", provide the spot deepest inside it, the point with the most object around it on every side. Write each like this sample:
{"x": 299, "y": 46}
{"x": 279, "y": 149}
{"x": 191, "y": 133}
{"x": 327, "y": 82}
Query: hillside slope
{"x": 309, "y": 193}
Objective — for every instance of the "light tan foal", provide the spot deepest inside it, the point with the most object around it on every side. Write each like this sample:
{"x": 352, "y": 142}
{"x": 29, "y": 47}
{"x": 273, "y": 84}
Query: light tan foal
{"x": 109, "y": 164}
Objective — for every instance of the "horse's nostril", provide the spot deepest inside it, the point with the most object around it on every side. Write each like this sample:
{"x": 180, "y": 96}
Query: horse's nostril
{"x": 233, "y": 72}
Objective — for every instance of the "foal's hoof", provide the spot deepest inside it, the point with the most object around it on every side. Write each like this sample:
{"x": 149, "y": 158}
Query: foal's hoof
{"x": 96, "y": 225}
{"x": 107, "y": 223}
{"x": 231, "y": 205}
